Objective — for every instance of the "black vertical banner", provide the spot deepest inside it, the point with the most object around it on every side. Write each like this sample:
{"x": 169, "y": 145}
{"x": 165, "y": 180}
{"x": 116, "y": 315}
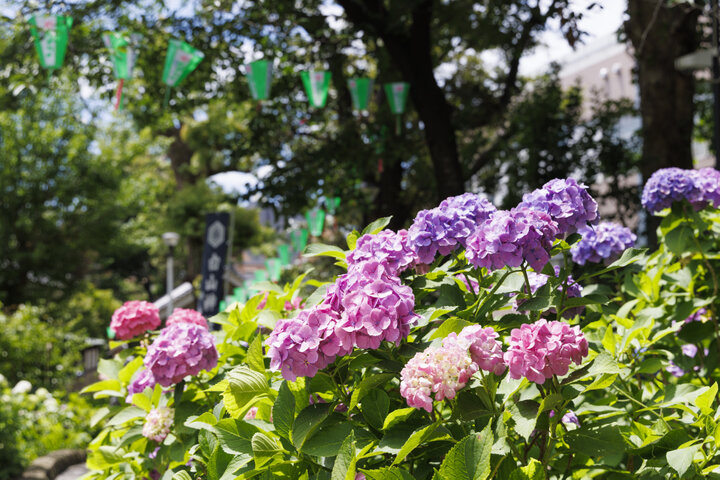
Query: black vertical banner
{"x": 217, "y": 227}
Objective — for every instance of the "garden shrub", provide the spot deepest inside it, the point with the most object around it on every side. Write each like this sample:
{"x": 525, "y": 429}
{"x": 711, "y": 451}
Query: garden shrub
{"x": 454, "y": 350}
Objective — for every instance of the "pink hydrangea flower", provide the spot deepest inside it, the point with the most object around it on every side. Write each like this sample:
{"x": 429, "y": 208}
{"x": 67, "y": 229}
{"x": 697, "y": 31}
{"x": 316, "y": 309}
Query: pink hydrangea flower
{"x": 485, "y": 350}
{"x": 133, "y": 318}
{"x": 180, "y": 350}
{"x": 158, "y": 423}
{"x": 187, "y": 315}
{"x": 540, "y": 350}
{"x": 439, "y": 371}
{"x": 251, "y": 414}
{"x": 293, "y": 305}
{"x": 388, "y": 247}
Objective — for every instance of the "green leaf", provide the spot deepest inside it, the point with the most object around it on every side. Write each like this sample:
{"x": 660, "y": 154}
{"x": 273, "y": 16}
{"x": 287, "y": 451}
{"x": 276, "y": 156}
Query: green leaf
{"x": 392, "y": 473}
{"x": 254, "y": 357}
{"x": 235, "y": 436}
{"x": 352, "y": 239}
{"x": 550, "y": 402}
{"x": 104, "y": 385}
{"x": 532, "y": 471}
{"x": 126, "y": 373}
{"x": 344, "y": 467}
{"x": 367, "y": 384}
{"x": 143, "y": 401}
{"x": 524, "y": 414}
{"x": 181, "y": 475}
{"x": 452, "y": 324}
{"x": 603, "y": 442}
{"x": 125, "y": 415}
{"x": 109, "y": 368}
{"x": 376, "y": 226}
{"x": 631, "y": 255}
{"x": 678, "y": 240}
{"x": 706, "y": 400}
{"x": 327, "y": 440}
{"x": 469, "y": 459}
{"x": 245, "y": 386}
{"x": 375, "y": 406}
{"x": 397, "y": 416}
{"x": 307, "y": 421}
{"x": 681, "y": 459}
{"x": 602, "y": 382}
{"x": 322, "y": 250}
{"x": 418, "y": 437}
{"x": 537, "y": 304}
{"x": 104, "y": 457}
{"x": 206, "y": 421}
{"x": 284, "y": 411}
{"x": 263, "y": 448}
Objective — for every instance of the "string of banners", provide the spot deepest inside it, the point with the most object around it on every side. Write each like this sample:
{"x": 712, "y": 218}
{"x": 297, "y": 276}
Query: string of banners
{"x": 51, "y": 32}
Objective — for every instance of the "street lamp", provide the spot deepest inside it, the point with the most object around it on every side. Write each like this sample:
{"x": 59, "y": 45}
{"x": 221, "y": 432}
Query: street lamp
{"x": 171, "y": 240}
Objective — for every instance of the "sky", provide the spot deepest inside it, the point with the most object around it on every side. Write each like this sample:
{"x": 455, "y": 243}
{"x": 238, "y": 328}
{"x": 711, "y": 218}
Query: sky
{"x": 597, "y": 23}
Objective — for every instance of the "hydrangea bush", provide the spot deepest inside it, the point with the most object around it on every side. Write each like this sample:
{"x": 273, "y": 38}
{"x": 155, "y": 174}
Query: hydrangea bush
{"x": 532, "y": 343}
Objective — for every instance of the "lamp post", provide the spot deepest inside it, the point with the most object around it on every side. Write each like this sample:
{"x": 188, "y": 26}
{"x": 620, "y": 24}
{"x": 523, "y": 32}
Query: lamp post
{"x": 171, "y": 240}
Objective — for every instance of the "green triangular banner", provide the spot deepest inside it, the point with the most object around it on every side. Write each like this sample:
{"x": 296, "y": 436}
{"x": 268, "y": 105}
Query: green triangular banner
{"x": 123, "y": 52}
{"x": 274, "y": 268}
{"x": 316, "y": 221}
{"x": 259, "y": 75}
{"x": 397, "y": 94}
{"x": 50, "y": 34}
{"x": 317, "y": 85}
{"x": 182, "y": 58}
{"x": 360, "y": 91}
{"x": 284, "y": 254}
{"x": 299, "y": 239}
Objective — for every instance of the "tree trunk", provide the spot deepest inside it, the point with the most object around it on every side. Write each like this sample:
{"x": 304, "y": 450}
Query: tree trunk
{"x": 659, "y": 34}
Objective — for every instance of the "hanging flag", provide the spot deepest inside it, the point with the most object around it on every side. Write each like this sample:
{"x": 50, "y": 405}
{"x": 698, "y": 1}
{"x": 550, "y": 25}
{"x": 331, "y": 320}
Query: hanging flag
{"x": 182, "y": 58}
{"x": 397, "y": 94}
{"x": 284, "y": 254}
{"x": 260, "y": 276}
{"x": 317, "y": 85}
{"x": 360, "y": 91}
{"x": 274, "y": 268}
{"x": 123, "y": 52}
{"x": 316, "y": 221}
{"x": 50, "y": 33}
{"x": 240, "y": 294}
{"x": 259, "y": 75}
{"x": 332, "y": 204}
{"x": 299, "y": 239}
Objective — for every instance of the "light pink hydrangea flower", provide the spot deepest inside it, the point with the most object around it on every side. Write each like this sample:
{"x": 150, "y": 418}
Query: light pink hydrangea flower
{"x": 485, "y": 350}
{"x": 251, "y": 414}
{"x": 158, "y": 423}
{"x": 180, "y": 350}
{"x": 187, "y": 315}
{"x": 540, "y": 350}
{"x": 134, "y": 318}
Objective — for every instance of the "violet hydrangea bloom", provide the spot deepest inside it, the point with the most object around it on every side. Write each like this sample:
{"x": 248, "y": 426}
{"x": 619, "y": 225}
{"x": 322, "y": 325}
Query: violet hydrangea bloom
{"x": 387, "y": 247}
{"x": 485, "y": 350}
{"x": 669, "y": 185}
{"x": 604, "y": 242}
{"x": 187, "y": 315}
{"x": 707, "y": 181}
{"x": 143, "y": 381}
{"x": 133, "y": 318}
{"x": 158, "y": 423}
{"x": 180, "y": 350}
{"x": 447, "y": 227}
{"x": 509, "y": 237}
{"x": 540, "y": 350}
{"x": 567, "y": 202}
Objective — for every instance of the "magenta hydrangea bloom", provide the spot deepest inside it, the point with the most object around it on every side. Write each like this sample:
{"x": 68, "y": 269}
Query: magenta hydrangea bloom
{"x": 509, "y": 237}
{"x": 567, "y": 202}
{"x": 540, "y": 350}
{"x": 604, "y": 242}
{"x": 144, "y": 380}
{"x": 669, "y": 185}
{"x": 485, "y": 350}
{"x": 133, "y": 318}
{"x": 387, "y": 247}
{"x": 158, "y": 423}
{"x": 572, "y": 290}
{"x": 180, "y": 350}
{"x": 447, "y": 227}
{"x": 187, "y": 315}
{"x": 439, "y": 371}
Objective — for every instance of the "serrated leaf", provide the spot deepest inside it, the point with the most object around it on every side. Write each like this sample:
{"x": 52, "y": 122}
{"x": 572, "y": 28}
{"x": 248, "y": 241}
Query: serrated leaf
{"x": 254, "y": 358}
{"x": 532, "y": 471}
{"x": 110, "y": 368}
{"x": 245, "y": 387}
{"x": 452, "y": 324}
{"x": 392, "y": 473}
{"x": 352, "y": 239}
{"x": 418, "y": 437}
{"x": 469, "y": 459}
{"x": 235, "y": 436}
{"x": 181, "y": 475}
{"x": 706, "y": 400}
{"x": 141, "y": 400}
{"x": 263, "y": 448}
{"x": 367, "y": 384}
{"x": 284, "y": 411}
{"x": 375, "y": 406}
{"x": 126, "y": 372}
{"x": 524, "y": 414}
{"x": 104, "y": 385}
{"x": 397, "y": 416}
{"x": 307, "y": 421}
{"x": 327, "y": 440}
{"x": 322, "y": 250}
{"x": 344, "y": 466}
{"x": 602, "y": 382}
{"x": 377, "y": 226}
{"x": 125, "y": 415}
{"x": 681, "y": 459}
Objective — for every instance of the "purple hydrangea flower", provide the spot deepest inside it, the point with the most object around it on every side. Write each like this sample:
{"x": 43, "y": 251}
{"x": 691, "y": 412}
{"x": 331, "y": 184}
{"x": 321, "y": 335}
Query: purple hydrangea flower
{"x": 669, "y": 185}
{"x": 509, "y": 237}
{"x": 143, "y": 381}
{"x": 674, "y": 370}
{"x": 570, "y": 417}
{"x": 447, "y": 227}
{"x": 180, "y": 350}
{"x": 567, "y": 202}
{"x": 603, "y": 242}
{"x": 707, "y": 181}
{"x": 387, "y": 246}
{"x": 689, "y": 349}
{"x": 573, "y": 290}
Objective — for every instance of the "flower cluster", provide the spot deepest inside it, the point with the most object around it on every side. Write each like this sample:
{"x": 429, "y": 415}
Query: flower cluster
{"x": 567, "y": 202}
{"x": 603, "y": 242}
{"x": 447, "y": 227}
{"x": 668, "y": 185}
{"x": 180, "y": 350}
{"x": 158, "y": 423}
{"x": 387, "y": 247}
{"x": 133, "y": 318}
{"x": 509, "y": 237}
{"x": 572, "y": 290}
{"x": 144, "y": 380}
{"x": 187, "y": 315}
{"x": 444, "y": 370}
{"x": 365, "y": 307}
{"x": 543, "y": 349}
